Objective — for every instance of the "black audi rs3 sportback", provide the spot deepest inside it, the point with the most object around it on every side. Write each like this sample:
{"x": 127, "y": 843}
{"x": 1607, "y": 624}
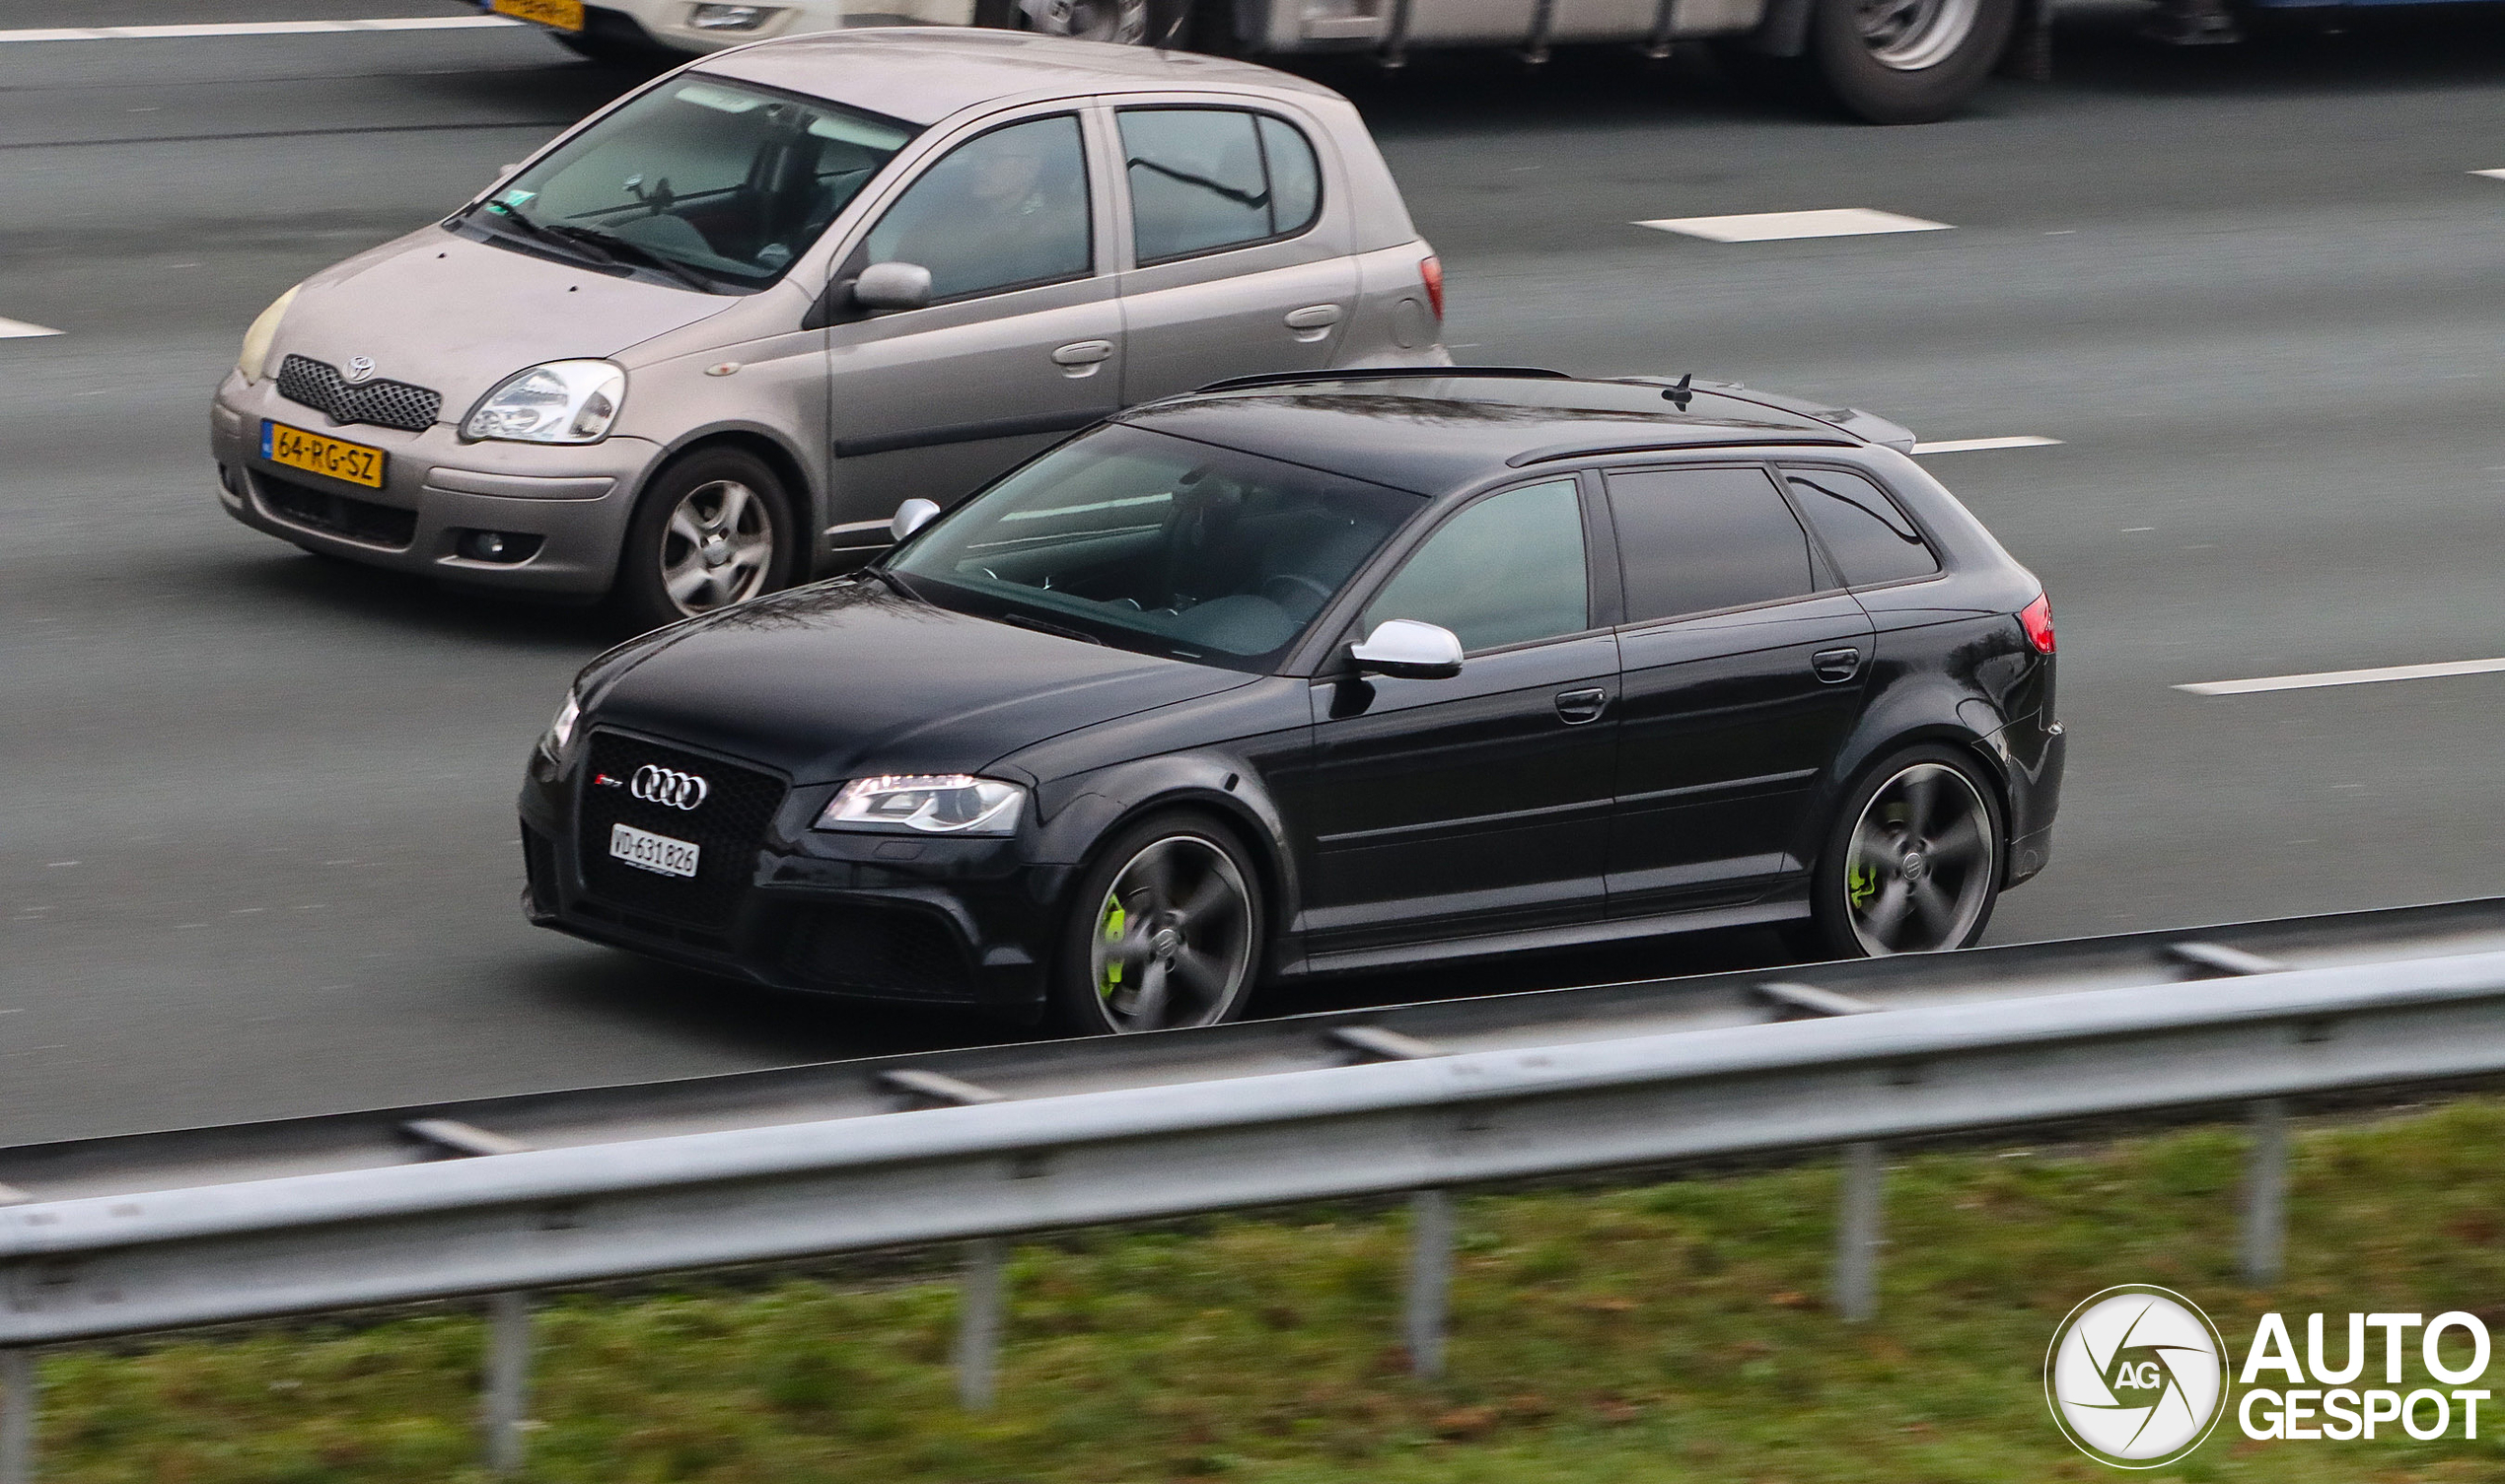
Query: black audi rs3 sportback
{"x": 1296, "y": 676}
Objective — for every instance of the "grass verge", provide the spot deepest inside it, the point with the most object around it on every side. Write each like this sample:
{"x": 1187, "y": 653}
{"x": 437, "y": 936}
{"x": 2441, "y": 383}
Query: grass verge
{"x": 1668, "y": 1332}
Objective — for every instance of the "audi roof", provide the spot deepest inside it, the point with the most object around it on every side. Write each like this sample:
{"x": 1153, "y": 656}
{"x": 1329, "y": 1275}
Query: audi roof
{"x": 1482, "y": 419}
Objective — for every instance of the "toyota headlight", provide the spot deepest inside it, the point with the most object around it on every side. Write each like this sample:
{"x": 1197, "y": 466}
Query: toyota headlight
{"x": 560, "y": 732}
{"x": 562, "y": 402}
{"x": 928, "y": 804}
{"x": 257, "y": 337}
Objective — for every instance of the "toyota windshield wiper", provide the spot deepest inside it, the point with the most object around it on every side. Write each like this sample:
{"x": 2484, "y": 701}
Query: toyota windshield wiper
{"x": 618, "y": 247}
{"x": 541, "y": 232}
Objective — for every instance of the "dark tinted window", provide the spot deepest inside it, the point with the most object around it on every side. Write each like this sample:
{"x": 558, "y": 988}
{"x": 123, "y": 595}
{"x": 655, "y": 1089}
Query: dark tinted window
{"x": 1869, "y": 538}
{"x": 1000, "y": 210}
{"x": 1204, "y": 179}
{"x": 1691, "y": 540}
{"x": 1507, "y": 570}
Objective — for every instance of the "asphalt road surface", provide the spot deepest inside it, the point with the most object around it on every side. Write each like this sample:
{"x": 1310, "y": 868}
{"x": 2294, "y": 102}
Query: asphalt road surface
{"x": 256, "y": 852}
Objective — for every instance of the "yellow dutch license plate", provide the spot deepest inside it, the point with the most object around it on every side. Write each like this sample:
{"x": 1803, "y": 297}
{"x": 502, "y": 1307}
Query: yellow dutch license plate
{"x": 564, "y": 15}
{"x": 310, "y": 452}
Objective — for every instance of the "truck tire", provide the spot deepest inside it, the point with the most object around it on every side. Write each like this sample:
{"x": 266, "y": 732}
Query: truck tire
{"x": 1123, "y": 23}
{"x": 1906, "y": 61}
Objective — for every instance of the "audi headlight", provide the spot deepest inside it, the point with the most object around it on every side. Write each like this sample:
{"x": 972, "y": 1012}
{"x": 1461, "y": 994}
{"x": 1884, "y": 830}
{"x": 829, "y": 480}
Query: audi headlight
{"x": 257, "y": 337}
{"x": 560, "y": 732}
{"x": 562, "y": 402}
{"x": 928, "y": 804}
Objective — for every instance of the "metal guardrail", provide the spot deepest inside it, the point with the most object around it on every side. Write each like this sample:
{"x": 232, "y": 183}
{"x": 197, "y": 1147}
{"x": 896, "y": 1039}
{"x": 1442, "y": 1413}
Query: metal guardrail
{"x": 90, "y": 1268}
{"x": 875, "y": 1087}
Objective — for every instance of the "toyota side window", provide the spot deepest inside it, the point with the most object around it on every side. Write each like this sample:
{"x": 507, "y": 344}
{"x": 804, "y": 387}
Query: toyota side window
{"x": 1004, "y": 210}
{"x": 1697, "y": 540}
{"x": 1205, "y": 179}
{"x": 1867, "y": 538}
{"x": 1507, "y": 570}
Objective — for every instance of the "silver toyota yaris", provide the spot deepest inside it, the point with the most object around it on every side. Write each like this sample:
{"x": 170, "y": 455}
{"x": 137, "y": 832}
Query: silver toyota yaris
{"x": 706, "y": 343}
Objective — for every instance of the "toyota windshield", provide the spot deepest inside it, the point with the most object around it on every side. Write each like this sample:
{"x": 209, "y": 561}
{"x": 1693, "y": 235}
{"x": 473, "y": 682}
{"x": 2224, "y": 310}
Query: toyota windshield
{"x": 711, "y": 185}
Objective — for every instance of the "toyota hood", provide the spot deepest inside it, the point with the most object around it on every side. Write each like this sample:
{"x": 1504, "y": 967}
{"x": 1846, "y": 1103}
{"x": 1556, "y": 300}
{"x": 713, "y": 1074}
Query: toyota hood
{"x": 438, "y": 310}
{"x": 849, "y": 678}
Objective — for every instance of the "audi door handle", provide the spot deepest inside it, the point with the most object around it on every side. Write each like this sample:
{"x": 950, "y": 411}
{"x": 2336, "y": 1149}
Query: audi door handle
{"x": 1081, "y": 358}
{"x": 1313, "y": 322}
{"x": 1837, "y": 666}
{"x": 1575, "y": 707}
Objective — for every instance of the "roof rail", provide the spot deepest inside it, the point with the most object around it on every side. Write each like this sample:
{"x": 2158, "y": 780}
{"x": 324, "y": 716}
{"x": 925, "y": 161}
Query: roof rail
{"x": 1675, "y": 446}
{"x": 1381, "y": 373}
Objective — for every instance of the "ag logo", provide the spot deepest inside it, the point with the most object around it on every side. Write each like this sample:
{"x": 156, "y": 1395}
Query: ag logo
{"x": 2136, "y": 1377}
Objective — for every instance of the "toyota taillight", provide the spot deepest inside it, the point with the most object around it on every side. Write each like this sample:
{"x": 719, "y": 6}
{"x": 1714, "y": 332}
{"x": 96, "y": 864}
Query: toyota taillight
{"x": 1431, "y": 274}
{"x": 2036, "y": 619}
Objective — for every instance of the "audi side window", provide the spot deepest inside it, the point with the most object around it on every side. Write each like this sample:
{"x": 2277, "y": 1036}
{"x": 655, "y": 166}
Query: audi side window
{"x": 1694, "y": 540}
{"x": 1205, "y": 179}
{"x": 1507, "y": 570}
{"x": 1001, "y": 211}
{"x": 1867, "y": 536}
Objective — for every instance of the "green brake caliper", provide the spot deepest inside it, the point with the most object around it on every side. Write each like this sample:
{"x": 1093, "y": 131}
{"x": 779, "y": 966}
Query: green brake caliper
{"x": 1112, "y": 928}
{"x": 1861, "y": 883}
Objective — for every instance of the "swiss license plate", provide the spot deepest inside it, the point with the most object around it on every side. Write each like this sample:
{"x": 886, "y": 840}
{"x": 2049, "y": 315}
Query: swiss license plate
{"x": 658, "y": 853}
{"x": 564, "y": 15}
{"x": 315, "y": 453}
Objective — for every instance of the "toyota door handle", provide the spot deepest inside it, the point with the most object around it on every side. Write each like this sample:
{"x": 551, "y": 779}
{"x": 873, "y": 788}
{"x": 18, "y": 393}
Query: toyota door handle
{"x": 1313, "y": 322}
{"x": 1575, "y": 707}
{"x": 1837, "y": 666}
{"x": 1081, "y": 358}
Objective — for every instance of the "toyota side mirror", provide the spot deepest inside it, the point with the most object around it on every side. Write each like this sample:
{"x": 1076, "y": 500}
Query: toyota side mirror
{"x": 1408, "y": 650}
{"x": 893, "y": 286}
{"x": 910, "y": 517}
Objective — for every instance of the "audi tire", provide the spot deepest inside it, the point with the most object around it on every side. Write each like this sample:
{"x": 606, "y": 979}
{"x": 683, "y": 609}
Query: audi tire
{"x": 1912, "y": 861}
{"x": 1165, "y": 931}
{"x": 714, "y": 528}
{"x": 1906, "y": 61}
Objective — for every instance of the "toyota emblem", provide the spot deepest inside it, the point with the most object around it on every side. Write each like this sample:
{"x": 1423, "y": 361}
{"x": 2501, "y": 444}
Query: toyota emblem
{"x": 668, "y": 786}
{"x": 359, "y": 368}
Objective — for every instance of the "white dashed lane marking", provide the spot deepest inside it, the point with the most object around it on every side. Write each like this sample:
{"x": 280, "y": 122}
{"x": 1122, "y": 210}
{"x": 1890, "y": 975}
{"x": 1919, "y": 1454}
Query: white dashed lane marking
{"x": 2493, "y": 174}
{"x": 1775, "y": 226}
{"x": 251, "y": 28}
{"x": 2349, "y": 678}
{"x": 19, "y": 330}
{"x": 1979, "y": 445}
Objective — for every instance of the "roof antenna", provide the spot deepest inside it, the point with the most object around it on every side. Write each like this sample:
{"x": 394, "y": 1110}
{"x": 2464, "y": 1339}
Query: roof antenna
{"x": 1679, "y": 395}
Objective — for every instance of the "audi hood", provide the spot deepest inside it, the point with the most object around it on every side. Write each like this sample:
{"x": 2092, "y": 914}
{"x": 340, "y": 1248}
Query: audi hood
{"x": 848, "y": 678}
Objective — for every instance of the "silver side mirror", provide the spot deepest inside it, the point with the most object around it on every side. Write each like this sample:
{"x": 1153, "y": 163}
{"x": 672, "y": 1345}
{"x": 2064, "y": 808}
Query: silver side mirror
{"x": 893, "y": 286}
{"x": 1408, "y": 650}
{"x": 910, "y": 517}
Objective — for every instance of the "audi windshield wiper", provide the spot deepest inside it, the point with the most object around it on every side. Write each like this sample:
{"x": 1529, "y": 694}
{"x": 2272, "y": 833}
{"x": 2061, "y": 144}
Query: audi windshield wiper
{"x": 894, "y": 583}
{"x": 618, "y": 247}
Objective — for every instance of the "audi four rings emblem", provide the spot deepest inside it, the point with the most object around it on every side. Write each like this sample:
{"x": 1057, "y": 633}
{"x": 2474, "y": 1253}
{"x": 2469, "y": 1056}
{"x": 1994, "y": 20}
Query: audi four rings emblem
{"x": 668, "y": 786}
{"x": 359, "y": 368}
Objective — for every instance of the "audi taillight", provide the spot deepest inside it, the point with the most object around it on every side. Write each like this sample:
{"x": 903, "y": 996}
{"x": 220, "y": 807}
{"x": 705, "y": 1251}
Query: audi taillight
{"x": 2036, "y": 619}
{"x": 1431, "y": 274}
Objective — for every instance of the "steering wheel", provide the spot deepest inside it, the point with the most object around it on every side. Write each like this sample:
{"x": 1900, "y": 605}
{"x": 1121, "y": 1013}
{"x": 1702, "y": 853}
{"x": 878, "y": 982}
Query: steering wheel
{"x": 1294, "y": 580}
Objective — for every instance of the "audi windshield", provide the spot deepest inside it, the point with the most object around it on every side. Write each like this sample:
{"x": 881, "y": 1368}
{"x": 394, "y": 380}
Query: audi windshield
{"x": 1157, "y": 543}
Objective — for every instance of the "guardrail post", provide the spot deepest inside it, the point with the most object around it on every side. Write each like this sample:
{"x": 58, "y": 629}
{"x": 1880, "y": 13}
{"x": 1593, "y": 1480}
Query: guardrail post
{"x": 508, "y": 1378}
{"x": 2265, "y": 1192}
{"x": 16, "y": 1417}
{"x": 980, "y": 1307}
{"x": 1430, "y": 1278}
{"x": 1857, "y": 1232}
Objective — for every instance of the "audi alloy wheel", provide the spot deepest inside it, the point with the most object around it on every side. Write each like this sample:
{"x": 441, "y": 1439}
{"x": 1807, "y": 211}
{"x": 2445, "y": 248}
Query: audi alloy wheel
{"x": 1914, "y": 862}
{"x": 1166, "y": 934}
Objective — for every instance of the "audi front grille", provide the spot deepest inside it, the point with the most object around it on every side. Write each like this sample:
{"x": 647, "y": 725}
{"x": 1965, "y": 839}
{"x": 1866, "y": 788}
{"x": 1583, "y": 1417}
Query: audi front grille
{"x": 727, "y": 828}
{"x": 384, "y": 405}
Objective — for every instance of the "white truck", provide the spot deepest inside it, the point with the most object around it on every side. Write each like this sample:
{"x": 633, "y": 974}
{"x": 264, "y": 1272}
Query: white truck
{"x": 1888, "y": 61}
